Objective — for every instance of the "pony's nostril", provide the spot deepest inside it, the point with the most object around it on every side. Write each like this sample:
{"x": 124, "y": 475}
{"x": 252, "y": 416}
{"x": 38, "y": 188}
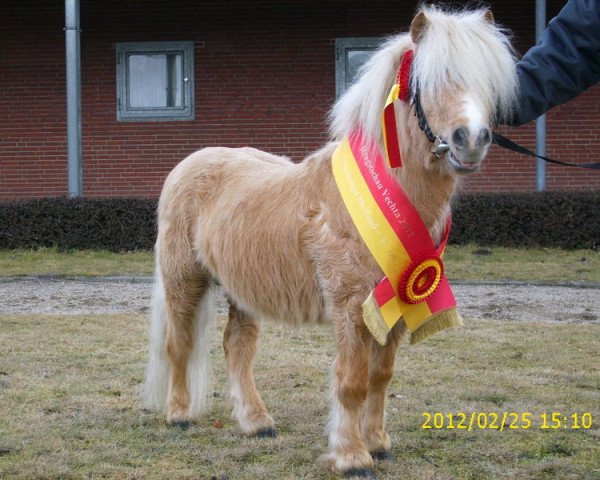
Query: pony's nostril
{"x": 484, "y": 138}
{"x": 460, "y": 137}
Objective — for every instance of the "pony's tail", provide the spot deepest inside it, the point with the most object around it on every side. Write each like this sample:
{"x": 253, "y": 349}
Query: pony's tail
{"x": 156, "y": 386}
{"x": 157, "y": 371}
{"x": 199, "y": 367}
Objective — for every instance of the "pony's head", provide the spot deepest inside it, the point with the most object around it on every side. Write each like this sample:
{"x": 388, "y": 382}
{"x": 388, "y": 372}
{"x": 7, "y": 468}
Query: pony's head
{"x": 464, "y": 77}
{"x": 462, "y": 81}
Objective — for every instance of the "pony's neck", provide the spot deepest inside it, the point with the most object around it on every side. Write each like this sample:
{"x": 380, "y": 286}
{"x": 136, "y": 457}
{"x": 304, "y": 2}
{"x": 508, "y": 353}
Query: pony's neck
{"x": 429, "y": 189}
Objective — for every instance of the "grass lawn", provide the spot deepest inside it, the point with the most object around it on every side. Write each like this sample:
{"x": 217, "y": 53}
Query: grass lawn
{"x": 50, "y": 261}
{"x": 69, "y": 404}
{"x": 469, "y": 262}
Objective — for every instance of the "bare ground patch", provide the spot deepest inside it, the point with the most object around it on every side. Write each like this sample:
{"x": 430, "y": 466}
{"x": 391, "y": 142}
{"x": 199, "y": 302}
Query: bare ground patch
{"x": 519, "y": 302}
{"x": 72, "y": 357}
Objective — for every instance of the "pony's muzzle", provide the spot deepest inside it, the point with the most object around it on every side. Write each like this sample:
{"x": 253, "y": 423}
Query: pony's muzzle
{"x": 468, "y": 148}
{"x": 462, "y": 139}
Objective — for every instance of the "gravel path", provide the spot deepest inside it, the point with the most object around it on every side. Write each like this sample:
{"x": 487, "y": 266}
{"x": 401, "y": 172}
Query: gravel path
{"x": 522, "y": 302}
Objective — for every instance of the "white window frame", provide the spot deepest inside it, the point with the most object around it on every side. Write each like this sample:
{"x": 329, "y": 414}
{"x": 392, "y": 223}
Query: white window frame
{"x": 127, "y": 113}
{"x": 342, "y": 47}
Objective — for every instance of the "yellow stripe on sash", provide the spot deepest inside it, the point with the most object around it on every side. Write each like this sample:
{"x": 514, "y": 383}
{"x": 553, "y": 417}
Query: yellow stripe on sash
{"x": 391, "y": 310}
{"x": 391, "y": 147}
{"x": 390, "y": 254}
{"x": 375, "y": 230}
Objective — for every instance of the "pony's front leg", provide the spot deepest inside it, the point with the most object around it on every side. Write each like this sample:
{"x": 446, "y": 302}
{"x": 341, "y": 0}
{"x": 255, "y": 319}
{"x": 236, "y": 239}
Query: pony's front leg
{"x": 240, "y": 343}
{"x": 347, "y": 452}
{"x": 381, "y": 370}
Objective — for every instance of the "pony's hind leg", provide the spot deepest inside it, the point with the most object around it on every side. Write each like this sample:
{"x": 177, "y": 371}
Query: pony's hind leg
{"x": 240, "y": 343}
{"x": 188, "y": 313}
{"x": 381, "y": 369}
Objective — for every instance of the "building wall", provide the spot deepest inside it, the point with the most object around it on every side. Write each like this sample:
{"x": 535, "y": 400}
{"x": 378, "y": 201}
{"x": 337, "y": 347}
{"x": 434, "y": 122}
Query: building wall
{"x": 32, "y": 100}
{"x": 265, "y": 77}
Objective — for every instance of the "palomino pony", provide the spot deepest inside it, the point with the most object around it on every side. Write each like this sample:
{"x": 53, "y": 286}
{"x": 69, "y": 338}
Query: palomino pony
{"x": 278, "y": 239}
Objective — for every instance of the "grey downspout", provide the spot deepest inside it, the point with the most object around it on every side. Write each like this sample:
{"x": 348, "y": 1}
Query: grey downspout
{"x": 73, "y": 52}
{"x": 540, "y": 123}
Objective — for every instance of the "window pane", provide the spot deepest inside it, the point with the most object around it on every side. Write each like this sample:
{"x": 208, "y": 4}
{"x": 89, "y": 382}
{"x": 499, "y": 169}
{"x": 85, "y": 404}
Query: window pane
{"x": 354, "y": 60}
{"x": 174, "y": 82}
{"x": 155, "y": 80}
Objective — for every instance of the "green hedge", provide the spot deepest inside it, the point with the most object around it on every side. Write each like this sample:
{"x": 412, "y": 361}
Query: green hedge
{"x": 550, "y": 219}
{"x": 553, "y": 219}
{"x": 116, "y": 224}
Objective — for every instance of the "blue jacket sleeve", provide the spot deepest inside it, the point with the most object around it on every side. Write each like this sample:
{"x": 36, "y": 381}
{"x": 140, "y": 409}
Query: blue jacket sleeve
{"x": 564, "y": 63}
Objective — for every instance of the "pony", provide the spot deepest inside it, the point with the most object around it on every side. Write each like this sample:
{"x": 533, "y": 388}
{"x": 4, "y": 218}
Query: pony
{"x": 278, "y": 239}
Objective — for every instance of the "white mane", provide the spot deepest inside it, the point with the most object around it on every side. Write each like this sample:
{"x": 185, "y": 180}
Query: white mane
{"x": 362, "y": 104}
{"x": 461, "y": 49}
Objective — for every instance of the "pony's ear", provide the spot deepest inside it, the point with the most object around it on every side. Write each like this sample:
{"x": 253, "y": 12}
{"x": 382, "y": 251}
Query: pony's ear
{"x": 488, "y": 16}
{"x": 418, "y": 26}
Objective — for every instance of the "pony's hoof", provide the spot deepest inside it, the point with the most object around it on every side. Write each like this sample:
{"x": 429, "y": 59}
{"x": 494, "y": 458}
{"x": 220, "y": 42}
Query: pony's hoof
{"x": 182, "y": 424}
{"x": 360, "y": 473}
{"x": 382, "y": 455}
{"x": 266, "y": 433}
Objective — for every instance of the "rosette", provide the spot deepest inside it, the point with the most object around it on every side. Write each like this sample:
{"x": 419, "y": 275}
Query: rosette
{"x": 420, "y": 279}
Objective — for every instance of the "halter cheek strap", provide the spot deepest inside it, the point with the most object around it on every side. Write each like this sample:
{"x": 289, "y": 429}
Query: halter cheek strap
{"x": 440, "y": 147}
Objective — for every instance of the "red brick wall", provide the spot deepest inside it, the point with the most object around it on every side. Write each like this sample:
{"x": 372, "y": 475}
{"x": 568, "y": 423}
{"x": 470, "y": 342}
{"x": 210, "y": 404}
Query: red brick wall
{"x": 32, "y": 101}
{"x": 264, "y": 77}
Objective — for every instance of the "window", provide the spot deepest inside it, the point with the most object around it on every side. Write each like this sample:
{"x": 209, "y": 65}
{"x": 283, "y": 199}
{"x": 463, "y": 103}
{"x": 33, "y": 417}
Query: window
{"x": 155, "y": 81}
{"x": 350, "y": 54}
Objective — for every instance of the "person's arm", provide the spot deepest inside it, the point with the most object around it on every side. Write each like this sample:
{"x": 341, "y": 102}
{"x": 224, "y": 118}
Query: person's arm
{"x": 564, "y": 63}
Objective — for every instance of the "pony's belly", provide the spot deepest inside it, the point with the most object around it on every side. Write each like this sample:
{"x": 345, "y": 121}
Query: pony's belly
{"x": 263, "y": 274}
{"x": 276, "y": 303}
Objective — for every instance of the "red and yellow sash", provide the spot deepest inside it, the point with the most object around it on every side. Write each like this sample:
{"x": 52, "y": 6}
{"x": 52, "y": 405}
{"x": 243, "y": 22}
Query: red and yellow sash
{"x": 414, "y": 287}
